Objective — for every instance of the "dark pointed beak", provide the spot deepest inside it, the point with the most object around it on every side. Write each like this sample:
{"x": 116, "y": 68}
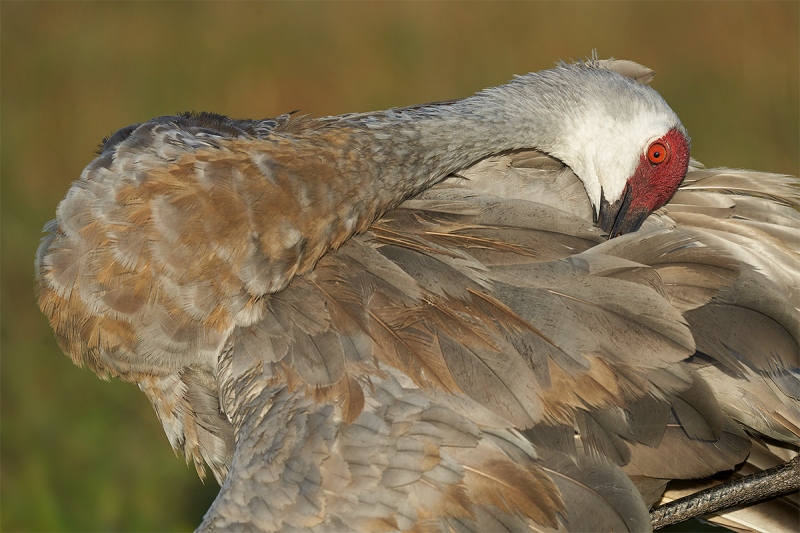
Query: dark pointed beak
{"x": 620, "y": 218}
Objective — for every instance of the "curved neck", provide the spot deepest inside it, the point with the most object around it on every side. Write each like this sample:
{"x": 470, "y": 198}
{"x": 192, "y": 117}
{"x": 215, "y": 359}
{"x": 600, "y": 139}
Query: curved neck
{"x": 354, "y": 168}
{"x": 421, "y": 145}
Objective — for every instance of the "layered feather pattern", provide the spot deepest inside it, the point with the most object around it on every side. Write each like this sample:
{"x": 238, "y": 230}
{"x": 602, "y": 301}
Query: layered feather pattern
{"x": 477, "y": 357}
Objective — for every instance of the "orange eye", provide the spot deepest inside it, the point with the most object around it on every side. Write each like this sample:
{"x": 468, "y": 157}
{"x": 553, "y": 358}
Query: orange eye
{"x": 657, "y": 153}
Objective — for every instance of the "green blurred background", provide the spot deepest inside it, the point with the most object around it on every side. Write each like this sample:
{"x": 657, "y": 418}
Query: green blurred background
{"x": 80, "y": 454}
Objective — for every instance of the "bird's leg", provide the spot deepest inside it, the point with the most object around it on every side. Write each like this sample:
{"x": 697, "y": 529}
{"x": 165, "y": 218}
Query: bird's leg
{"x": 755, "y": 488}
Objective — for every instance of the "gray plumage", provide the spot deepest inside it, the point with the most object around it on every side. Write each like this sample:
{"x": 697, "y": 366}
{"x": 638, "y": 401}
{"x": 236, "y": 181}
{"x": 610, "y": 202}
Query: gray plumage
{"x": 350, "y": 341}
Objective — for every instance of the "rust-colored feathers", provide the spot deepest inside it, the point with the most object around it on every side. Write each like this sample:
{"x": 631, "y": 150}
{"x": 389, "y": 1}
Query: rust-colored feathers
{"x": 478, "y": 358}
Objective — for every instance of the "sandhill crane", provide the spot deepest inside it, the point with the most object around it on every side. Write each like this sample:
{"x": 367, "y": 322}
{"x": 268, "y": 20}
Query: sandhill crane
{"x": 352, "y": 341}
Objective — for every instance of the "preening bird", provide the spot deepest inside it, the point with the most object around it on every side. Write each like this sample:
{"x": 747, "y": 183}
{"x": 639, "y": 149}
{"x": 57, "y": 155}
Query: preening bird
{"x": 414, "y": 319}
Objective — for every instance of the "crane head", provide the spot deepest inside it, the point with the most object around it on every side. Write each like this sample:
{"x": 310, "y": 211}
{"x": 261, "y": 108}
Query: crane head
{"x": 617, "y": 134}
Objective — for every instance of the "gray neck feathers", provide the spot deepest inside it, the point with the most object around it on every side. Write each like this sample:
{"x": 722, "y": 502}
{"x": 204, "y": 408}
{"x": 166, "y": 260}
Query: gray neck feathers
{"x": 571, "y": 112}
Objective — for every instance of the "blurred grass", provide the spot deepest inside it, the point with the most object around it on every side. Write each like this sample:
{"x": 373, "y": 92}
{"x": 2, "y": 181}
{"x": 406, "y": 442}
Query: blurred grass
{"x": 79, "y": 454}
